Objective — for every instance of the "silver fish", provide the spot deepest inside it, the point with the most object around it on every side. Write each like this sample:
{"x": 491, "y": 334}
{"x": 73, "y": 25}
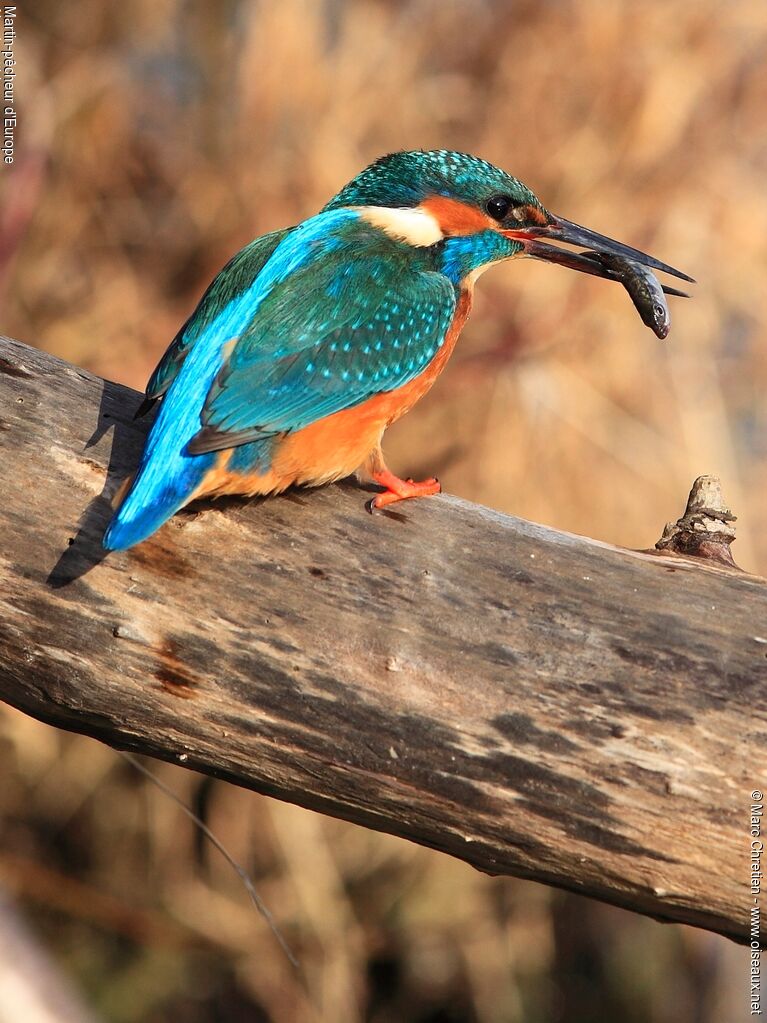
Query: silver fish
{"x": 644, "y": 289}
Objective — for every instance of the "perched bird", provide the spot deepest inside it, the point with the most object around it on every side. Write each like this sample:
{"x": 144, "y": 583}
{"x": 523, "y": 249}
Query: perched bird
{"x": 312, "y": 340}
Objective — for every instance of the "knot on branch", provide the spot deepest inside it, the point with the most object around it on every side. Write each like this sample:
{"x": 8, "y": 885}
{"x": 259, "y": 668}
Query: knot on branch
{"x": 706, "y": 529}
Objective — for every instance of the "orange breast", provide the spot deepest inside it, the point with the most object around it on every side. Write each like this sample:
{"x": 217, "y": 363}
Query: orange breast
{"x": 335, "y": 446}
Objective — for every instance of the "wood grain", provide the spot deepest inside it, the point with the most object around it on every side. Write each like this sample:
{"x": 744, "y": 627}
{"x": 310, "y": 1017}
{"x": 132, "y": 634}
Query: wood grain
{"x": 532, "y": 702}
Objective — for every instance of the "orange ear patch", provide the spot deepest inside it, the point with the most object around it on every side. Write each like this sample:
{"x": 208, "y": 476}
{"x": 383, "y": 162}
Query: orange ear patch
{"x": 456, "y": 217}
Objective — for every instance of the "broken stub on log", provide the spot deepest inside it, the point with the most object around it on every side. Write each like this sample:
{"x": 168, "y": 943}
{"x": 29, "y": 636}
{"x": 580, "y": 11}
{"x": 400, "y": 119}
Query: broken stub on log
{"x": 706, "y": 529}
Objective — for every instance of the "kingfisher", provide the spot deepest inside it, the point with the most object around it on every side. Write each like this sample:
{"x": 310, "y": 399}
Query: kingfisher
{"x": 314, "y": 339}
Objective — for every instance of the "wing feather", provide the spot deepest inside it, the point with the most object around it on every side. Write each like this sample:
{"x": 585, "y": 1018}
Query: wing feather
{"x": 354, "y": 320}
{"x": 235, "y": 278}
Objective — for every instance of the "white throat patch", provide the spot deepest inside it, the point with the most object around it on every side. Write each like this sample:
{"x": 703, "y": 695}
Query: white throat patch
{"x": 415, "y": 226}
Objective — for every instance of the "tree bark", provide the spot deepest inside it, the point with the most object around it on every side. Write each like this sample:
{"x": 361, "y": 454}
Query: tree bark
{"x": 532, "y": 702}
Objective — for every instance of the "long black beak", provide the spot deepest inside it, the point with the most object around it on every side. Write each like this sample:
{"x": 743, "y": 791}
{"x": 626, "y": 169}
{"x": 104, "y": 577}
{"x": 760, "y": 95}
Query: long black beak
{"x": 588, "y": 263}
{"x": 561, "y": 230}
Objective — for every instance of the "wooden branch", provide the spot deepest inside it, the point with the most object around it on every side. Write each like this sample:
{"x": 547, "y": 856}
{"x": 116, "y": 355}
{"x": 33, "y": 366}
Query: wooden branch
{"x": 532, "y": 702}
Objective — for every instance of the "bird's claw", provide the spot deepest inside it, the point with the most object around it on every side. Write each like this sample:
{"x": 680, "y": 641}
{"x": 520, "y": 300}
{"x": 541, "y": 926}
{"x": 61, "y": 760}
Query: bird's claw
{"x": 403, "y": 490}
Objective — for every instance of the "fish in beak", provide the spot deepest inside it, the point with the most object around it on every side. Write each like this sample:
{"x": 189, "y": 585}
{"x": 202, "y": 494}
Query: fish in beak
{"x": 606, "y": 258}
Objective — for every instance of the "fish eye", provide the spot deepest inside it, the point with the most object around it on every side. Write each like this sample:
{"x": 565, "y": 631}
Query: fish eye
{"x": 660, "y": 312}
{"x": 498, "y": 206}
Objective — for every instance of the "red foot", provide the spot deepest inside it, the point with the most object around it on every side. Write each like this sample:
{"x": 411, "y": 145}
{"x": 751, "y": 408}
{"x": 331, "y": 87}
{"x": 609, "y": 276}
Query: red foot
{"x": 400, "y": 490}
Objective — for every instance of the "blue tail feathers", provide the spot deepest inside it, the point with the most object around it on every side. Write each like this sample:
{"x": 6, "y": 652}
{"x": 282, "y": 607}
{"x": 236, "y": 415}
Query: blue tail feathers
{"x": 147, "y": 505}
{"x": 168, "y": 477}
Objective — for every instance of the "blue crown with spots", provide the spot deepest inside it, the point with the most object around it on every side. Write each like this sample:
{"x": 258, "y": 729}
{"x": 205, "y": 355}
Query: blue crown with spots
{"x": 405, "y": 179}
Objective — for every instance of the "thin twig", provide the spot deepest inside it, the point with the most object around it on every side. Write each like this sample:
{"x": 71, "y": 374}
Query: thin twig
{"x": 240, "y": 870}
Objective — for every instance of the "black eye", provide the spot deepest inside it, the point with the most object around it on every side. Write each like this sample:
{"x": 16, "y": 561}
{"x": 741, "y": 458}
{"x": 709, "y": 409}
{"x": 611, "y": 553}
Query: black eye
{"x": 498, "y": 206}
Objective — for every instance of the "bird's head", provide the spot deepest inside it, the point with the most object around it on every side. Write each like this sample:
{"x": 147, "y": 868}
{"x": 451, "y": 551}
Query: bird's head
{"x": 427, "y": 197}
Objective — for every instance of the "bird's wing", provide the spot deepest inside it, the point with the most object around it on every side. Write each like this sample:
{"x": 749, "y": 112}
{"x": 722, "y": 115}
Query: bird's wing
{"x": 235, "y": 278}
{"x": 345, "y": 316}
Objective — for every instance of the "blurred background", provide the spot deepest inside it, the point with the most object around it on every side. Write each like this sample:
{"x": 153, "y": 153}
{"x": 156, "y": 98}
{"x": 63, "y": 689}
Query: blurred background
{"x": 155, "y": 138}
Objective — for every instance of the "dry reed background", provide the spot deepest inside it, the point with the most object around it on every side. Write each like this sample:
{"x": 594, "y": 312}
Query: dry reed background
{"x": 158, "y": 136}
